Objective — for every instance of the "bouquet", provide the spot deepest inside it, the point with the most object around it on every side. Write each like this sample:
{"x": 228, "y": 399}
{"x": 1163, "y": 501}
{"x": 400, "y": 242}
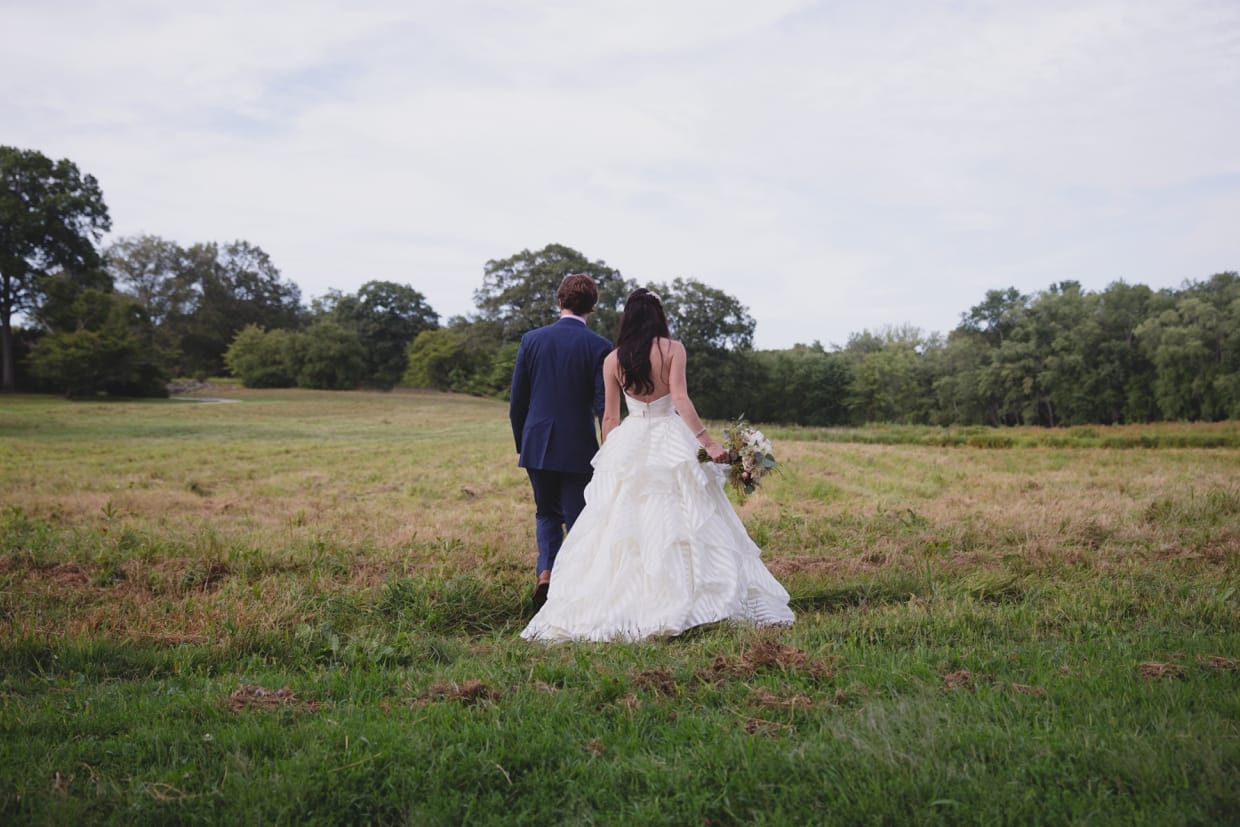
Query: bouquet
{"x": 750, "y": 456}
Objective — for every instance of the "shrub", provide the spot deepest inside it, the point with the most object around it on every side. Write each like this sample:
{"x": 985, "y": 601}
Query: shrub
{"x": 260, "y": 359}
{"x": 329, "y": 357}
{"x": 110, "y": 351}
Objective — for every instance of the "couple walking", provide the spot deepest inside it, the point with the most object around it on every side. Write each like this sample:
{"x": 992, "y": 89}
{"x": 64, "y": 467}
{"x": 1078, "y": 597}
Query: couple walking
{"x": 655, "y": 547}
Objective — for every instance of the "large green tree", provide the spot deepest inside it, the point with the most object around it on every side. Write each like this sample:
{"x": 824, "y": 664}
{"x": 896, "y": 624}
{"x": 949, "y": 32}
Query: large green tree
{"x": 1121, "y": 381}
{"x": 996, "y": 316}
{"x": 51, "y": 219}
{"x": 999, "y": 378}
{"x": 386, "y": 317}
{"x": 805, "y": 385}
{"x": 154, "y": 272}
{"x": 957, "y": 370}
{"x": 1195, "y": 349}
{"x": 889, "y": 382}
{"x": 1054, "y": 335}
{"x": 233, "y": 285}
{"x": 518, "y": 292}
{"x": 705, "y": 317}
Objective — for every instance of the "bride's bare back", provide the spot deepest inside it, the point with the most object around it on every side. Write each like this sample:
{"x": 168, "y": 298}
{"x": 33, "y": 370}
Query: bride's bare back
{"x": 667, "y": 372}
{"x": 661, "y": 358}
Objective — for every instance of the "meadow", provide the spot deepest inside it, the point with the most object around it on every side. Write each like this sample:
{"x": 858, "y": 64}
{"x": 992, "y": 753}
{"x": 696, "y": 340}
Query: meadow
{"x": 302, "y": 607}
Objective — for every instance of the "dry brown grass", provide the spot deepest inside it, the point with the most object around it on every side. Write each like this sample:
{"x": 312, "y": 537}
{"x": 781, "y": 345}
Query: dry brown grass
{"x": 1082, "y": 495}
{"x": 241, "y": 515}
{"x": 383, "y": 470}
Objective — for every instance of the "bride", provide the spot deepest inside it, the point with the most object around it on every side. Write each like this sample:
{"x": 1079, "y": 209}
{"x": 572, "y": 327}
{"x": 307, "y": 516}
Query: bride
{"x": 658, "y": 548}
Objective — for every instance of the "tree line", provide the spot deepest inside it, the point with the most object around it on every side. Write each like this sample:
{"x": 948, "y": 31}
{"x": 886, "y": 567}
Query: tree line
{"x": 127, "y": 318}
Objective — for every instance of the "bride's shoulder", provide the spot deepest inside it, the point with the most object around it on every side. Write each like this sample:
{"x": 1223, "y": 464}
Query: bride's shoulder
{"x": 670, "y": 347}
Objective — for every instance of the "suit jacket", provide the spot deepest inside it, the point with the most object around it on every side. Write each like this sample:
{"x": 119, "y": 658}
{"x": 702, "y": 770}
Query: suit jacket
{"x": 557, "y": 396}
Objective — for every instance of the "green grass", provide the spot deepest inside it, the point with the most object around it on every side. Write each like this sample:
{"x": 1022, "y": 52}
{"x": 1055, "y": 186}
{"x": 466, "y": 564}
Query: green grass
{"x": 303, "y": 609}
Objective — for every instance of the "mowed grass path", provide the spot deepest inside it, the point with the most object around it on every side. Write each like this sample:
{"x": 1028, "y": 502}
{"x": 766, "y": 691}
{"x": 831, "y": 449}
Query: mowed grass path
{"x": 303, "y": 608}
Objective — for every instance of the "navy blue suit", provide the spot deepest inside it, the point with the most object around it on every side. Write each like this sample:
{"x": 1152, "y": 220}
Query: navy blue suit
{"x": 556, "y": 400}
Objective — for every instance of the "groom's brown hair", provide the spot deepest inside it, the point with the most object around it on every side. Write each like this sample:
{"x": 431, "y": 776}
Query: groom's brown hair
{"x": 578, "y": 293}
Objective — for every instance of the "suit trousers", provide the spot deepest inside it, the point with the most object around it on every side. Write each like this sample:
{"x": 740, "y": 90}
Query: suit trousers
{"x": 559, "y": 497}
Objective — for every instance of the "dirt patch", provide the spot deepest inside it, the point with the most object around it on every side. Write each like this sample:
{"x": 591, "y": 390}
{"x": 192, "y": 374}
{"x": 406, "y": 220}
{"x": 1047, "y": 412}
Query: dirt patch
{"x": 763, "y": 697}
{"x": 963, "y": 679}
{"x": 249, "y": 697}
{"x": 66, "y": 574}
{"x": 1225, "y": 547}
{"x": 1219, "y": 663}
{"x": 758, "y": 726}
{"x": 1023, "y": 689}
{"x": 469, "y": 692}
{"x": 1156, "y": 670}
{"x": 960, "y": 679}
{"x": 630, "y": 702}
{"x": 766, "y": 656}
{"x": 659, "y": 681}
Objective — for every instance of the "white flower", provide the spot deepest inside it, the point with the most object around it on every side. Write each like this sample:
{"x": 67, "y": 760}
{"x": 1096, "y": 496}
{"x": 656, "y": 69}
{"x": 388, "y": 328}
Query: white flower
{"x": 750, "y": 455}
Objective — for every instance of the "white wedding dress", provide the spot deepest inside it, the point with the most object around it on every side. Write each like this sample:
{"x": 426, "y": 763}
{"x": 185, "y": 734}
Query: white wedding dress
{"x": 658, "y": 548}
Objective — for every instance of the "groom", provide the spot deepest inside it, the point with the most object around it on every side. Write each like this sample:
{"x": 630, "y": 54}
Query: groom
{"x": 557, "y": 396}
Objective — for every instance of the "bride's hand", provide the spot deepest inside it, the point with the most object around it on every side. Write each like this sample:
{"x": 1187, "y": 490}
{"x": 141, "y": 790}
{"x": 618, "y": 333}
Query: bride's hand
{"x": 716, "y": 451}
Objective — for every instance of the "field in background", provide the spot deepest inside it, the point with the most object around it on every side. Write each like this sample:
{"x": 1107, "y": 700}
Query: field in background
{"x": 302, "y": 607}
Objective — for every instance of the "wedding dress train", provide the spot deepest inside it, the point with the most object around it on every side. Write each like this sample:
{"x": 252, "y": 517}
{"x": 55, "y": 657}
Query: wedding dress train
{"x": 659, "y": 548}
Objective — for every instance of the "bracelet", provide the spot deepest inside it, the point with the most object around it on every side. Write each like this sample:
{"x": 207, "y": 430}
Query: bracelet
{"x": 699, "y": 433}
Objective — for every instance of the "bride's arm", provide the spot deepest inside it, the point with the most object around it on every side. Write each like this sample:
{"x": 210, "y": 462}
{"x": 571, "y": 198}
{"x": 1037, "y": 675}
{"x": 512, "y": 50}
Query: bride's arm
{"x": 684, "y": 405}
{"x": 611, "y": 394}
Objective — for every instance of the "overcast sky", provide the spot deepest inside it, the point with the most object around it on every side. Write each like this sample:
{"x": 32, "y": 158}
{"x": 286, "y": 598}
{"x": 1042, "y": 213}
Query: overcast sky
{"x": 835, "y": 166}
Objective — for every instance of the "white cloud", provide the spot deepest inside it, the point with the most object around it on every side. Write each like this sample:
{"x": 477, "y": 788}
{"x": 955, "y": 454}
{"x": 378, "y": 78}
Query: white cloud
{"x": 836, "y": 167}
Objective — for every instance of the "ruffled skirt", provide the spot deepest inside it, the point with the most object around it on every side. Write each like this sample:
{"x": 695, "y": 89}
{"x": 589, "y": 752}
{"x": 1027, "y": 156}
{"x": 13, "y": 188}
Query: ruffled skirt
{"x": 658, "y": 548}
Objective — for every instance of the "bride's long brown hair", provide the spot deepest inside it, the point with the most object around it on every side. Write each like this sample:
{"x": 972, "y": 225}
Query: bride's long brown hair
{"x": 644, "y": 320}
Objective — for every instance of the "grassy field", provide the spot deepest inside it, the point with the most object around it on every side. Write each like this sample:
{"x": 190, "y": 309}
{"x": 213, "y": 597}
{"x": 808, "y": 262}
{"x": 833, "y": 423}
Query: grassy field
{"x": 302, "y": 608}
